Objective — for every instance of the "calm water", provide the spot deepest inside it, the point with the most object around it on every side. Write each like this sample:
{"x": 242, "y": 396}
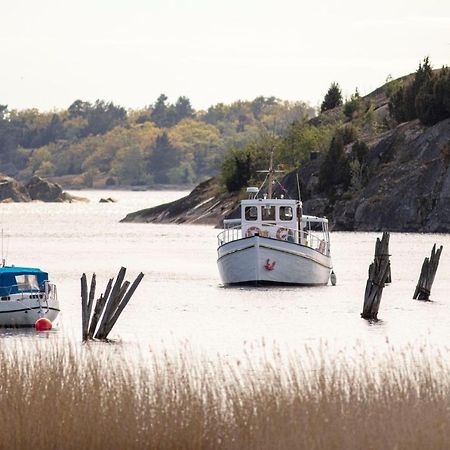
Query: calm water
{"x": 181, "y": 298}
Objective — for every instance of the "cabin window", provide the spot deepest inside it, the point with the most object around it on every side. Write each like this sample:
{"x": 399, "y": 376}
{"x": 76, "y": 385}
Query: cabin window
{"x": 268, "y": 213}
{"x": 251, "y": 213}
{"x": 27, "y": 282}
{"x": 286, "y": 213}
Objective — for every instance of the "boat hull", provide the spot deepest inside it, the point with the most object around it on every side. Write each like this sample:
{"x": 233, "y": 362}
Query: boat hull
{"x": 25, "y": 313}
{"x": 265, "y": 260}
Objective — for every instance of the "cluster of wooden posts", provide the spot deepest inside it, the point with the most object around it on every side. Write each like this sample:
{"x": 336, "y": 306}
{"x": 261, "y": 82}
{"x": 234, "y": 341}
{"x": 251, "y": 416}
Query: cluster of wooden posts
{"x": 380, "y": 275}
{"x": 98, "y": 321}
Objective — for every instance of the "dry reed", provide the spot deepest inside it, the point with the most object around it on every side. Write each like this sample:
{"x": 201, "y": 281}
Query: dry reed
{"x": 59, "y": 395}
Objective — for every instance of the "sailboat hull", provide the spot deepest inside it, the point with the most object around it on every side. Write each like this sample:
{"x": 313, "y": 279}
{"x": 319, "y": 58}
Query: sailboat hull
{"x": 259, "y": 259}
{"x": 25, "y": 312}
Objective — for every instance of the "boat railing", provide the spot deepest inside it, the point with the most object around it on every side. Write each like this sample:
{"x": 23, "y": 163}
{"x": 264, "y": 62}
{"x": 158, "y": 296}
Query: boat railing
{"x": 304, "y": 237}
{"x": 48, "y": 290}
{"x": 229, "y": 234}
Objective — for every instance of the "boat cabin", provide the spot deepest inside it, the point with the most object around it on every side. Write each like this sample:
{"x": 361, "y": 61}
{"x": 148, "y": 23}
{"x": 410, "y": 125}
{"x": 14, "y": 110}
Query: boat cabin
{"x": 280, "y": 219}
{"x": 274, "y": 218}
{"x": 16, "y": 280}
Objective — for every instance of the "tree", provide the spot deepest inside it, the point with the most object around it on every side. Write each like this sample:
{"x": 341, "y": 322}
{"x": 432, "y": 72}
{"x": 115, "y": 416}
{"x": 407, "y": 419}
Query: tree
{"x": 236, "y": 169}
{"x": 353, "y": 105}
{"x": 163, "y": 158}
{"x": 183, "y": 109}
{"x": 160, "y": 111}
{"x": 402, "y": 102}
{"x": 433, "y": 100}
{"x": 79, "y": 109}
{"x": 335, "y": 169}
{"x": 103, "y": 117}
{"x": 332, "y": 98}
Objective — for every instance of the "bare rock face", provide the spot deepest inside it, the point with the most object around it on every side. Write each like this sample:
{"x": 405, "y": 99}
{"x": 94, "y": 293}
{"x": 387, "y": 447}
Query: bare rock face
{"x": 45, "y": 191}
{"x": 202, "y": 205}
{"x": 12, "y": 191}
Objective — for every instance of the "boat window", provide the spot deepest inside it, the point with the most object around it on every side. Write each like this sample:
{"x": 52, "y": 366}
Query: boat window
{"x": 268, "y": 213}
{"x": 251, "y": 213}
{"x": 27, "y": 282}
{"x": 285, "y": 213}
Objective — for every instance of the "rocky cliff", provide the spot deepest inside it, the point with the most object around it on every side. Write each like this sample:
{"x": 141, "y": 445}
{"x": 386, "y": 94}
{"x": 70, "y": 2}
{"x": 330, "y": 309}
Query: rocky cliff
{"x": 36, "y": 189}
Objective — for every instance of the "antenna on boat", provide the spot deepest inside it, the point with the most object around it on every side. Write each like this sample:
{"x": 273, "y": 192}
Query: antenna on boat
{"x": 298, "y": 188}
{"x": 270, "y": 175}
{"x": 3, "y": 255}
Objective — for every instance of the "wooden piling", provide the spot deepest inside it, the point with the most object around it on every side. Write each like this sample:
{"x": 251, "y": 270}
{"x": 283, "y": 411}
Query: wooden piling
{"x": 379, "y": 271}
{"x": 427, "y": 275}
{"x": 84, "y": 307}
{"x": 108, "y": 307}
{"x": 91, "y": 295}
{"x": 110, "y": 302}
{"x": 123, "y": 303}
{"x": 382, "y": 250}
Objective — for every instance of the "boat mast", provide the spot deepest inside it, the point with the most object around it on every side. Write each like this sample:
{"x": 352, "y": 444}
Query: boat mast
{"x": 271, "y": 176}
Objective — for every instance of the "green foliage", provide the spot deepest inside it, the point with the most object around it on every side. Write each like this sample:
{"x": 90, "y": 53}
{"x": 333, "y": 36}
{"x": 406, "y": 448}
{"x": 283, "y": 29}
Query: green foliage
{"x": 335, "y": 168}
{"x": 167, "y": 115}
{"x": 353, "y": 106}
{"x": 101, "y": 140}
{"x": 301, "y": 140}
{"x": 338, "y": 168}
{"x": 333, "y": 98}
{"x": 128, "y": 165}
{"x": 433, "y": 99}
{"x": 425, "y": 96}
{"x": 348, "y": 133}
{"x": 163, "y": 157}
{"x": 358, "y": 165}
{"x": 240, "y": 166}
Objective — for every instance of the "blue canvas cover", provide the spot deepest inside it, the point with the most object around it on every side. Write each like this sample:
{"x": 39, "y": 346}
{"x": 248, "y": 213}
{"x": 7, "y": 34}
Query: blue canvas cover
{"x": 9, "y": 282}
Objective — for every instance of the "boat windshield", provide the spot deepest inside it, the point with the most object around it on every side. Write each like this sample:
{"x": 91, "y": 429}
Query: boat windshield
{"x": 27, "y": 282}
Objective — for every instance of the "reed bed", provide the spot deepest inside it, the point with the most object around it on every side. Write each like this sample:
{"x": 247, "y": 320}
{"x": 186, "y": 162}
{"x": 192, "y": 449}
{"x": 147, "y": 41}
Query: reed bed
{"x": 61, "y": 395}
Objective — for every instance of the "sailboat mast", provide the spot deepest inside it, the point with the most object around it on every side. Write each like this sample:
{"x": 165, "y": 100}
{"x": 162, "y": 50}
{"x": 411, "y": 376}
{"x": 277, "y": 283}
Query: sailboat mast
{"x": 271, "y": 173}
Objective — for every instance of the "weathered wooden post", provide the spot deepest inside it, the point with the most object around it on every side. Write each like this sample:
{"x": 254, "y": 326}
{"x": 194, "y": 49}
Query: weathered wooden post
{"x": 86, "y": 304}
{"x": 427, "y": 274}
{"x": 381, "y": 250}
{"x": 379, "y": 271}
{"x": 108, "y": 307}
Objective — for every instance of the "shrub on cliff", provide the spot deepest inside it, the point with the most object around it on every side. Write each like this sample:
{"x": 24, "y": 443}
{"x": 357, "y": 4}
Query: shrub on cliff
{"x": 425, "y": 97}
{"x": 353, "y": 105}
{"x": 433, "y": 100}
{"x": 236, "y": 169}
{"x": 333, "y": 98}
{"x": 337, "y": 167}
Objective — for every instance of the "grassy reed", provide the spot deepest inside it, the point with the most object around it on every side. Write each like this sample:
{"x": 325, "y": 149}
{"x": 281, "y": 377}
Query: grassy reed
{"x": 58, "y": 395}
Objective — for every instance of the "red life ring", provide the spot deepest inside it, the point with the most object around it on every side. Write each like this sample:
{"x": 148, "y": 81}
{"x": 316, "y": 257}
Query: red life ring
{"x": 252, "y": 231}
{"x": 282, "y": 233}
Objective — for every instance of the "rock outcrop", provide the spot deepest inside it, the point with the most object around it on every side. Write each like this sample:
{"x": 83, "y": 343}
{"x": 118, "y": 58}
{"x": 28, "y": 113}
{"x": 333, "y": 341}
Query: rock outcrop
{"x": 36, "y": 189}
{"x": 13, "y": 191}
{"x": 203, "y": 205}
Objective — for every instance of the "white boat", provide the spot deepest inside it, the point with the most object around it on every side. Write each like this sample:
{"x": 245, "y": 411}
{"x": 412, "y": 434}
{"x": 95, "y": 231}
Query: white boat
{"x": 274, "y": 242}
{"x": 26, "y": 295}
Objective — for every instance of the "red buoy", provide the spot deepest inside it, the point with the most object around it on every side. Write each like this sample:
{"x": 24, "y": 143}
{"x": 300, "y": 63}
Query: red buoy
{"x": 43, "y": 324}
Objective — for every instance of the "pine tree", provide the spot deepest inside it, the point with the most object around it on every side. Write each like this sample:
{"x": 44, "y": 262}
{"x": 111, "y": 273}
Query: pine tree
{"x": 332, "y": 98}
{"x": 160, "y": 112}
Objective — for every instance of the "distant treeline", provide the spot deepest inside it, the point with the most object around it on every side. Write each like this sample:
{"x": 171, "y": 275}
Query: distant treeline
{"x": 103, "y": 143}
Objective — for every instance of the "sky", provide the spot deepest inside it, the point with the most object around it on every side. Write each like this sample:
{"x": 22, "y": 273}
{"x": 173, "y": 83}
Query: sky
{"x": 53, "y": 52}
